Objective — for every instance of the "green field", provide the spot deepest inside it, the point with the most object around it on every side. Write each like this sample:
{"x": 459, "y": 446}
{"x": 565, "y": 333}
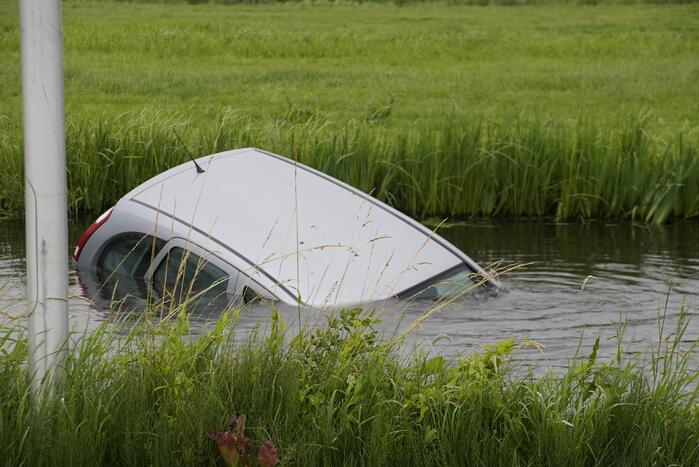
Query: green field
{"x": 540, "y": 105}
{"x": 342, "y": 61}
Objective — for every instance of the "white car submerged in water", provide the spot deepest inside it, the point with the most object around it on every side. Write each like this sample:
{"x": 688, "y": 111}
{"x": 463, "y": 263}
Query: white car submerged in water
{"x": 255, "y": 224}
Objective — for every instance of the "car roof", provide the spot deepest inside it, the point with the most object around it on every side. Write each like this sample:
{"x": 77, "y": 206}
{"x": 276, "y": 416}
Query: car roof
{"x": 319, "y": 239}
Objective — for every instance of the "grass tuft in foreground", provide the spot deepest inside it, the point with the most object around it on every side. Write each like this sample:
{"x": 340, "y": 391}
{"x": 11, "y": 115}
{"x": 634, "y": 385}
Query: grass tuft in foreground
{"x": 338, "y": 395}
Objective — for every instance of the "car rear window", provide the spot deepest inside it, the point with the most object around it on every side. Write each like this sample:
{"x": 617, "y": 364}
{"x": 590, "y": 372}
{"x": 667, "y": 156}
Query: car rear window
{"x": 129, "y": 254}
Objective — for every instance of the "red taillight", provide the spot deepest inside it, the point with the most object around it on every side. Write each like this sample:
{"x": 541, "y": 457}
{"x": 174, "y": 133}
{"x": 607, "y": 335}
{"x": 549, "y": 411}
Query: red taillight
{"x": 90, "y": 230}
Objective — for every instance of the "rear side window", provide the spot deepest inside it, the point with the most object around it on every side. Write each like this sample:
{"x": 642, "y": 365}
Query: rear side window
{"x": 129, "y": 254}
{"x": 183, "y": 274}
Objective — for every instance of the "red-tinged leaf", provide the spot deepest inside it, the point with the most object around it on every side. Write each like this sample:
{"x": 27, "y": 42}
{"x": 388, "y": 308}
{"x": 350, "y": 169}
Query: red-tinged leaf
{"x": 244, "y": 448}
{"x": 269, "y": 454}
{"x": 227, "y": 446}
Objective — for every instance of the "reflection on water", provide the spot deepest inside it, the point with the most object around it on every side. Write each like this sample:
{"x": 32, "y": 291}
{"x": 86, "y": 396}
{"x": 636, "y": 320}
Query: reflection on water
{"x": 580, "y": 280}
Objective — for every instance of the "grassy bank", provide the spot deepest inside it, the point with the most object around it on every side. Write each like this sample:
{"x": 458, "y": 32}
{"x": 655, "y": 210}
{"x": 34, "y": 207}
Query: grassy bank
{"x": 440, "y": 110}
{"x": 523, "y": 168}
{"x": 339, "y": 396}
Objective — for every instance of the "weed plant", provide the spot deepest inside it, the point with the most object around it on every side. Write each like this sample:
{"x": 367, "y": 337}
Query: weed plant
{"x": 339, "y": 395}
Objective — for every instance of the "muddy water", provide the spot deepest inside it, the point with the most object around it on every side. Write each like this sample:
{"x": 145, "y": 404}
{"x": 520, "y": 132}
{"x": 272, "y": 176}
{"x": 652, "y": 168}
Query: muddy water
{"x": 580, "y": 281}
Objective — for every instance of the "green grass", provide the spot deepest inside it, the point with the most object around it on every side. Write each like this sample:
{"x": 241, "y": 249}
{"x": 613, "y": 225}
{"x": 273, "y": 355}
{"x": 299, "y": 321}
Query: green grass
{"x": 440, "y": 110}
{"x": 414, "y": 2}
{"x": 343, "y": 61}
{"x": 338, "y": 395}
{"x": 525, "y": 168}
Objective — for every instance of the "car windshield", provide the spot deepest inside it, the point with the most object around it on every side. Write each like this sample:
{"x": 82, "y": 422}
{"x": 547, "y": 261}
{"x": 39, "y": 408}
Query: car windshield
{"x": 447, "y": 285}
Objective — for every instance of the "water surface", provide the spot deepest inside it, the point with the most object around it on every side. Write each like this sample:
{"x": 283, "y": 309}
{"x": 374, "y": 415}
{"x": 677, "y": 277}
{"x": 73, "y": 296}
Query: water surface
{"x": 580, "y": 281}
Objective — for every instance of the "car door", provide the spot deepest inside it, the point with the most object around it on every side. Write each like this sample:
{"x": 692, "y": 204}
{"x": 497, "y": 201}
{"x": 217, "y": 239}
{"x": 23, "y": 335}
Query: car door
{"x": 184, "y": 271}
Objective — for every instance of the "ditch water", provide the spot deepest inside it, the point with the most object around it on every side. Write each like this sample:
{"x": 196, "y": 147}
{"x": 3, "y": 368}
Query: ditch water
{"x": 580, "y": 282}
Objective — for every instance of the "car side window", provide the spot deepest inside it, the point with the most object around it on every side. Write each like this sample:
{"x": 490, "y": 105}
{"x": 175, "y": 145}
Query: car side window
{"x": 183, "y": 274}
{"x": 129, "y": 254}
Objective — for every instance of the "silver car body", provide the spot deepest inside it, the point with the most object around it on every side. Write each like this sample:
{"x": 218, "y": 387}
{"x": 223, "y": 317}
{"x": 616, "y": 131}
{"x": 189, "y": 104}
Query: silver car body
{"x": 289, "y": 232}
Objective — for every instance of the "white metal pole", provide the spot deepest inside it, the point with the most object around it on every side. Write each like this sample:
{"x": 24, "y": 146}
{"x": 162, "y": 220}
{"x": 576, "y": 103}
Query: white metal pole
{"x": 45, "y": 186}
